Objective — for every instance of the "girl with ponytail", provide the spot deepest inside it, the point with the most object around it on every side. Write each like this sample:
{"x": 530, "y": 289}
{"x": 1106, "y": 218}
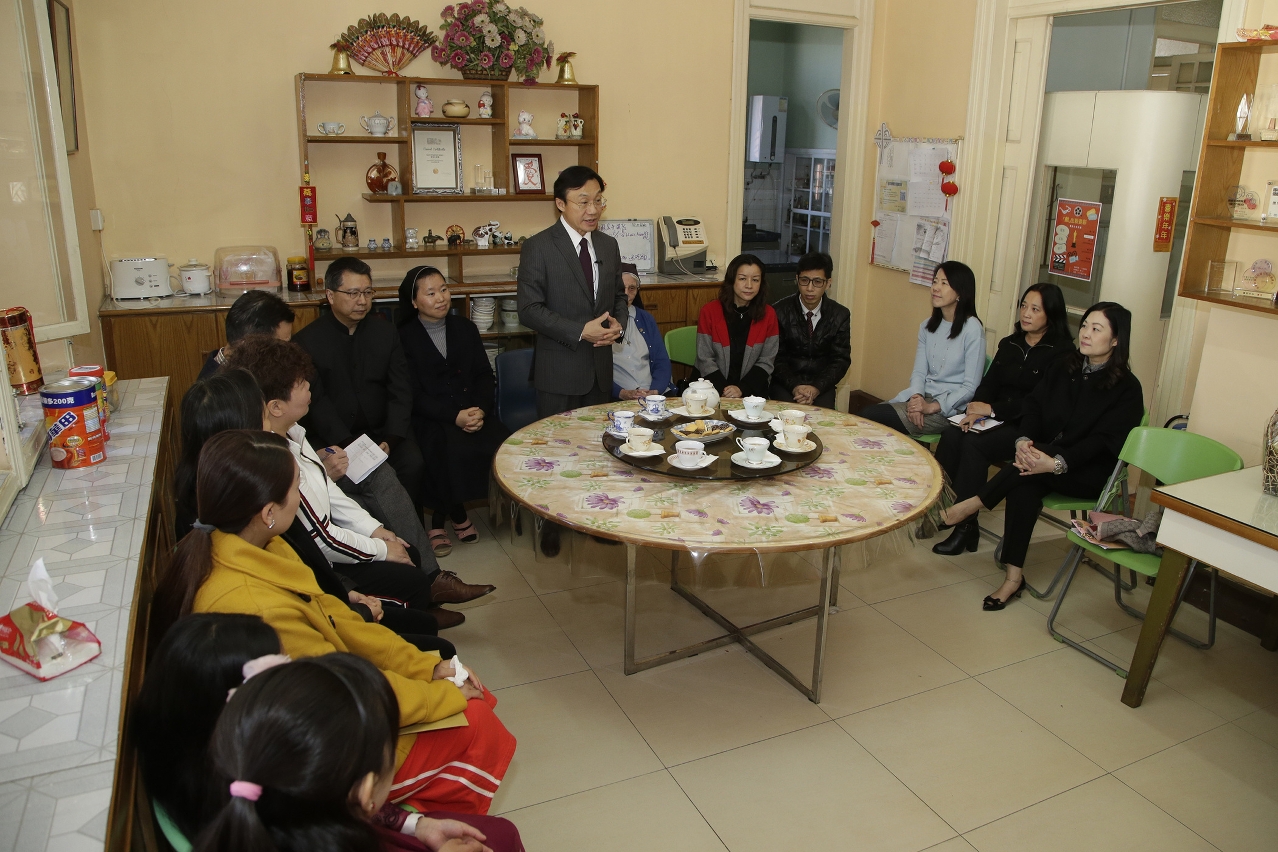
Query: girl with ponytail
{"x": 304, "y": 757}
{"x": 234, "y": 561}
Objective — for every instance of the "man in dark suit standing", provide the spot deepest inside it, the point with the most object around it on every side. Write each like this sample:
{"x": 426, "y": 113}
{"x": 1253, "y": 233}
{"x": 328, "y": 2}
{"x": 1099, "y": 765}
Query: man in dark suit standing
{"x": 571, "y": 294}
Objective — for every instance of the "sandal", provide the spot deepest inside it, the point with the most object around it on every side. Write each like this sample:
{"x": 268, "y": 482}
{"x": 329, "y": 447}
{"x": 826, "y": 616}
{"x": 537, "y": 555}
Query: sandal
{"x": 466, "y": 531}
{"x": 440, "y": 543}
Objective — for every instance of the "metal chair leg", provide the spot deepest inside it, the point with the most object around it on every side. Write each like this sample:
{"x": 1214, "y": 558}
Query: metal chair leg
{"x": 1184, "y": 637}
{"x": 1074, "y": 555}
{"x": 1051, "y": 619}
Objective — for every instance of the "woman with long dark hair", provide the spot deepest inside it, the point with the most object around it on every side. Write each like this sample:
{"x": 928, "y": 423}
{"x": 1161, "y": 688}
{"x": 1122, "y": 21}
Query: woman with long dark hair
{"x": 233, "y": 561}
{"x": 1073, "y": 425}
{"x": 737, "y": 334}
{"x": 305, "y": 754}
{"x": 1040, "y": 338}
{"x": 454, "y": 403}
{"x": 947, "y": 362}
{"x": 183, "y": 693}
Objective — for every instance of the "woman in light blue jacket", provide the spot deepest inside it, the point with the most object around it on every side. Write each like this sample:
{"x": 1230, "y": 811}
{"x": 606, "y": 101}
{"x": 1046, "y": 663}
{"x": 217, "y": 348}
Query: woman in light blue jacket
{"x": 948, "y": 362}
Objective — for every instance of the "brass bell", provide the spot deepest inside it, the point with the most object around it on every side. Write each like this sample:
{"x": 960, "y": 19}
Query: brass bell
{"x": 565, "y": 73}
{"x": 341, "y": 62}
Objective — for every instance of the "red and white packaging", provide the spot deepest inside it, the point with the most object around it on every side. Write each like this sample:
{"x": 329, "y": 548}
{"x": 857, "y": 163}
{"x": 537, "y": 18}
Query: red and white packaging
{"x": 34, "y": 638}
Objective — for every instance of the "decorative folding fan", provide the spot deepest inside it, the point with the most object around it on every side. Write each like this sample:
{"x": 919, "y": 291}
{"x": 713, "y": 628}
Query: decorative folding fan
{"x": 385, "y": 43}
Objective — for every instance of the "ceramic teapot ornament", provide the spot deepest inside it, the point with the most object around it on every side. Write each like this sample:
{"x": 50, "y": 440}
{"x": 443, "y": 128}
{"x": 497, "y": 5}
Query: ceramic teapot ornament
{"x": 563, "y": 129}
{"x": 578, "y": 126}
{"x": 377, "y": 125}
{"x": 706, "y": 387}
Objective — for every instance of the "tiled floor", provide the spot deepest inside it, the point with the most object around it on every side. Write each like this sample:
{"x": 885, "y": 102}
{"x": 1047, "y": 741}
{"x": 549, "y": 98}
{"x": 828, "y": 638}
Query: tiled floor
{"x": 942, "y": 727}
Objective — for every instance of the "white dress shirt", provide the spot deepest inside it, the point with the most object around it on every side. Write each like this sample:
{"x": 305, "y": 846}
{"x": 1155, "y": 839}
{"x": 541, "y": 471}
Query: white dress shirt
{"x": 576, "y": 247}
{"x": 816, "y": 312}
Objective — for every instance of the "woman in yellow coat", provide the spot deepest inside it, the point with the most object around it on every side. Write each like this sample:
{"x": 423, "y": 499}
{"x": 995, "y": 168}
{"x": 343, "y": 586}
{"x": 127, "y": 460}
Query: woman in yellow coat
{"x": 232, "y": 561}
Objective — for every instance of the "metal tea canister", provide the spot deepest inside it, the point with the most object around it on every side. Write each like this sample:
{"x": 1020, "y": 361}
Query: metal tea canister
{"x": 97, "y": 373}
{"x": 72, "y": 419}
{"x": 18, "y": 335}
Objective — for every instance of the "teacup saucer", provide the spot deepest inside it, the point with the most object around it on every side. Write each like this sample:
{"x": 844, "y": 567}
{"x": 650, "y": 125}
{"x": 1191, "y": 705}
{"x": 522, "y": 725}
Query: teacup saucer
{"x": 682, "y": 411}
{"x": 706, "y": 461}
{"x": 657, "y": 418}
{"x": 806, "y": 447}
{"x": 769, "y": 460}
{"x": 655, "y": 450}
{"x": 739, "y": 414}
{"x": 617, "y": 433}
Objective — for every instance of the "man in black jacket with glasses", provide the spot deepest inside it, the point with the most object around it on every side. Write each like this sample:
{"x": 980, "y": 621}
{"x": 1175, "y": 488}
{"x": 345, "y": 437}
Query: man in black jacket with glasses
{"x": 815, "y": 348}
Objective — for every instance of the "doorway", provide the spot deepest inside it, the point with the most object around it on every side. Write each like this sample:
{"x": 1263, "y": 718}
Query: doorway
{"x": 792, "y": 120}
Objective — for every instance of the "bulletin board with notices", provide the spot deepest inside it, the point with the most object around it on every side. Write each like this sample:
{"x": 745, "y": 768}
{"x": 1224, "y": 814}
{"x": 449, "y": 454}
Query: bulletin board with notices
{"x": 913, "y": 214}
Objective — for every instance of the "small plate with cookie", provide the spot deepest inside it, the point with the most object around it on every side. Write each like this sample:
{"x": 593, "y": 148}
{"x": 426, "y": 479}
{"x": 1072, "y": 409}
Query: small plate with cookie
{"x": 705, "y": 431}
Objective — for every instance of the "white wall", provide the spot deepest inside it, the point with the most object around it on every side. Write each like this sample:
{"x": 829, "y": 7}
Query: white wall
{"x": 1237, "y": 387}
{"x": 1150, "y": 139}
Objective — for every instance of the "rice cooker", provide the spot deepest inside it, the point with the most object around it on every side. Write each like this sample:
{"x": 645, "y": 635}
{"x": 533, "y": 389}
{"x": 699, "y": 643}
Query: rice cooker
{"x": 140, "y": 278}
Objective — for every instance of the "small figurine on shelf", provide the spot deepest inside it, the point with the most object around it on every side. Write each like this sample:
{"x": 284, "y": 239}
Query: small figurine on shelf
{"x": 323, "y": 240}
{"x": 411, "y": 243}
{"x": 525, "y": 126}
{"x": 563, "y": 129}
{"x": 347, "y": 232}
{"x": 486, "y": 104}
{"x": 456, "y": 236}
{"x": 372, "y": 243}
{"x": 480, "y": 236}
{"x": 431, "y": 238}
{"x": 425, "y": 106}
{"x": 578, "y": 126}
{"x": 386, "y": 244}
{"x": 509, "y": 238}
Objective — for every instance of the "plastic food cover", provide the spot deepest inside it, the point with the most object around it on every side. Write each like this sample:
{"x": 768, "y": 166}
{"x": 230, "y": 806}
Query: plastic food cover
{"x": 247, "y": 267}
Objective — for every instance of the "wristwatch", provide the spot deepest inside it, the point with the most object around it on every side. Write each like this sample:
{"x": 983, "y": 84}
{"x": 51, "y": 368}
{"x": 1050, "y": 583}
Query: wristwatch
{"x": 1059, "y": 467}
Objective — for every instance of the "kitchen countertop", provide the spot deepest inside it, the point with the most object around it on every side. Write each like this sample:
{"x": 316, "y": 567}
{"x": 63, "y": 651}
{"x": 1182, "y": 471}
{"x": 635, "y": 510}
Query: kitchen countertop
{"x": 386, "y": 289}
{"x": 58, "y": 739}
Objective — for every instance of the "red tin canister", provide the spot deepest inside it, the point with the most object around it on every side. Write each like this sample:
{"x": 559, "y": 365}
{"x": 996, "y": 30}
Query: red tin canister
{"x": 75, "y": 428}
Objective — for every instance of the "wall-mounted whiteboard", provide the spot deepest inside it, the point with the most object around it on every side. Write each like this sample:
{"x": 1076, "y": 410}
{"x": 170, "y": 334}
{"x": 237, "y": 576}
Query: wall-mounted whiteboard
{"x": 913, "y": 230}
{"x": 637, "y": 239}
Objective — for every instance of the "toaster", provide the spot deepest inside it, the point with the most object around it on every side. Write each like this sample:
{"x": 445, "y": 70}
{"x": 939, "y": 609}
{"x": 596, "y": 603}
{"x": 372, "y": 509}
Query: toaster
{"x": 140, "y": 278}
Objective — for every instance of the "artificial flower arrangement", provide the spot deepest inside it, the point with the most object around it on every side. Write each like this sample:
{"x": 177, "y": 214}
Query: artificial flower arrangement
{"x": 487, "y": 40}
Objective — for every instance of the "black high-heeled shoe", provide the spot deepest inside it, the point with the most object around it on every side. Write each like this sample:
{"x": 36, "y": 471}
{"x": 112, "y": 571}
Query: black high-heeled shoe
{"x": 993, "y": 604}
{"x": 966, "y": 536}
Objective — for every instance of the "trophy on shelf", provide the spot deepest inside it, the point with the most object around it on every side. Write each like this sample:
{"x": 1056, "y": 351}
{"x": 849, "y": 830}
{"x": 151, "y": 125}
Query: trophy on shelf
{"x": 1240, "y": 133}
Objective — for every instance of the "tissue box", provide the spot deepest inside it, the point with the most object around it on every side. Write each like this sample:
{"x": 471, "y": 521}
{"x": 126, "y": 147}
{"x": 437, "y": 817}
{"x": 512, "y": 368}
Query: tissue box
{"x": 43, "y": 644}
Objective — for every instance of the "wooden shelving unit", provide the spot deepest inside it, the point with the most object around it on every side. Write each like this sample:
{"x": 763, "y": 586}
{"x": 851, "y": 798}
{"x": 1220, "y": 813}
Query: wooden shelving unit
{"x": 500, "y": 126}
{"x": 1220, "y": 167}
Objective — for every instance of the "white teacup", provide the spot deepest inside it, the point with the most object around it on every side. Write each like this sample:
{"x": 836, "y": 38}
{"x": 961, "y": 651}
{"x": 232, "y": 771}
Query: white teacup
{"x": 754, "y": 406}
{"x": 795, "y": 435}
{"x": 640, "y": 439}
{"x": 689, "y": 453}
{"x": 654, "y": 405}
{"x": 793, "y": 415}
{"x": 755, "y": 449}
{"x": 696, "y": 401}
{"x": 622, "y": 421}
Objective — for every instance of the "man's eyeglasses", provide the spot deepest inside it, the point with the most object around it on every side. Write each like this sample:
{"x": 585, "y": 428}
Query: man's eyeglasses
{"x": 356, "y": 295}
{"x": 804, "y": 281}
{"x": 587, "y": 205}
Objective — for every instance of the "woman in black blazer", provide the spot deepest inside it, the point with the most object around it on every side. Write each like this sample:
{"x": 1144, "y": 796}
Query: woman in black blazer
{"x": 453, "y": 398}
{"x": 1072, "y": 428}
{"x": 1039, "y": 339}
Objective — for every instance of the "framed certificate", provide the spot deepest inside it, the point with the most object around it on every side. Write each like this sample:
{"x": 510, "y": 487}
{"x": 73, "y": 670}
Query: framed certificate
{"x": 437, "y": 159}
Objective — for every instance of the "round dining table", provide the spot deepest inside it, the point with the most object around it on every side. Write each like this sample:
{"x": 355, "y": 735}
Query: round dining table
{"x": 868, "y": 481}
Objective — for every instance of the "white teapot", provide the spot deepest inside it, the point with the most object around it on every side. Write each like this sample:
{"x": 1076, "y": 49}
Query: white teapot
{"x": 378, "y": 125}
{"x": 706, "y": 387}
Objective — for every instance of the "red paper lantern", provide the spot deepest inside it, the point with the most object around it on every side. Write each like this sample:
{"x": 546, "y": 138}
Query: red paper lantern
{"x": 947, "y": 167}
{"x": 949, "y": 189}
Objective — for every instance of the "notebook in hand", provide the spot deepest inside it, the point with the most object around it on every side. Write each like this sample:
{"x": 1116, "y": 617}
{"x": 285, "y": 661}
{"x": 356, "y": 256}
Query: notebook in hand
{"x": 979, "y": 425}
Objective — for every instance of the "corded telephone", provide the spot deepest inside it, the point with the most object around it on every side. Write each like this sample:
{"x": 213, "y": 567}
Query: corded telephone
{"x": 684, "y": 231}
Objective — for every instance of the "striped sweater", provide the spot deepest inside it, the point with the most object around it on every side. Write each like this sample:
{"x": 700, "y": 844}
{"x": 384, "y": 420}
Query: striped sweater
{"x": 714, "y": 347}
{"x": 339, "y": 525}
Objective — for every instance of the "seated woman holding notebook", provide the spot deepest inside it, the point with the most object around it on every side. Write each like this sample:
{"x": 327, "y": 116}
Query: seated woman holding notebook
{"x": 967, "y": 450}
{"x": 1073, "y": 425}
{"x": 947, "y": 362}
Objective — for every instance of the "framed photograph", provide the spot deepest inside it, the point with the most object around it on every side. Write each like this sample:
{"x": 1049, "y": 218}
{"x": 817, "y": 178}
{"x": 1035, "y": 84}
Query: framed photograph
{"x": 60, "y": 26}
{"x": 528, "y": 174}
{"x": 437, "y": 159}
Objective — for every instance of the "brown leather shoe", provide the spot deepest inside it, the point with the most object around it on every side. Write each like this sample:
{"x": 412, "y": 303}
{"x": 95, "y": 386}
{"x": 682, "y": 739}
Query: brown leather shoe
{"x": 449, "y": 588}
{"x": 446, "y": 617}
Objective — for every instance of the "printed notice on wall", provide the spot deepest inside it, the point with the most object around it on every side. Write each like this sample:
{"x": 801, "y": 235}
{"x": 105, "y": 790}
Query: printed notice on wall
{"x": 1074, "y": 238}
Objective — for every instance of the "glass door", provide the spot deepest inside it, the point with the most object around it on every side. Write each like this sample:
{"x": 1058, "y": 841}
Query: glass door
{"x": 1075, "y": 232}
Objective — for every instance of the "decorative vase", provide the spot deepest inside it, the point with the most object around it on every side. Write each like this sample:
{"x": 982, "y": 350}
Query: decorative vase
{"x": 491, "y": 73}
{"x": 456, "y": 109}
{"x": 380, "y": 174}
{"x": 565, "y": 73}
{"x": 1270, "y": 466}
{"x": 341, "y": 62}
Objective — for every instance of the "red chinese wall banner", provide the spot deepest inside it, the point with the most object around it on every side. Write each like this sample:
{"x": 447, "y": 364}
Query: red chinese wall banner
{"x": 1074, "y": 238}
{"x": 310, "y": 205}
{"x": 1165, "y": 223}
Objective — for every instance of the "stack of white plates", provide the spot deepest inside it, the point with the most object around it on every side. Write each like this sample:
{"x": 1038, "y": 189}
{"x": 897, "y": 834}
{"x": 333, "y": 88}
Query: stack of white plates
{"x": 481, "y": 312}
{"x": 492, "y": 350}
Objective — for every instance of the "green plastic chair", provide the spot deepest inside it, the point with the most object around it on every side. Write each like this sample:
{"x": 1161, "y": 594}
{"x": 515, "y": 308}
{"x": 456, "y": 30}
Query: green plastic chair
{"x": 1171, "y": 456}
{"x": 169, "y": 829}
{"x": 681, "y": 345}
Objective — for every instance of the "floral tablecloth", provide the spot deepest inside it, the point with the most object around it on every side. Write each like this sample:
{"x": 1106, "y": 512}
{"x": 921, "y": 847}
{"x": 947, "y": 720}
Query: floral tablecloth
{"x": 869, "y": 480}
